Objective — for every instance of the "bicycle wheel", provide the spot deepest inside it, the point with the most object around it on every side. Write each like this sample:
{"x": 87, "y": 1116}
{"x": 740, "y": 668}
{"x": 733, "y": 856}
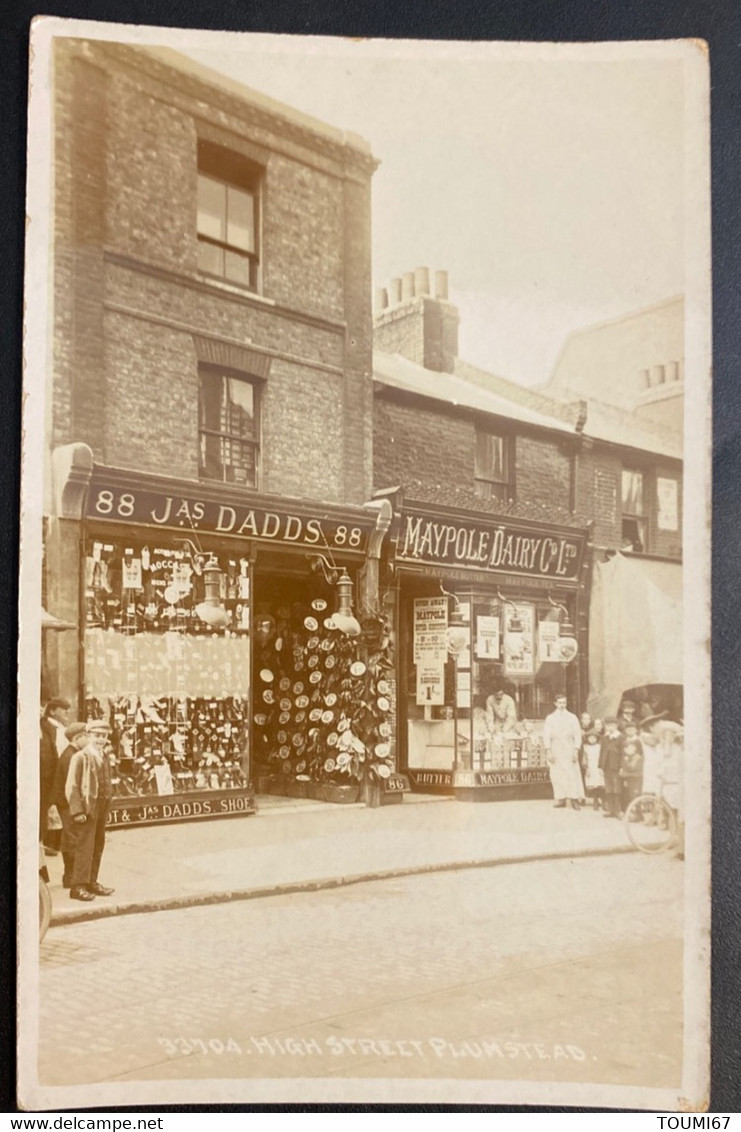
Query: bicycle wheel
{"x": 650, "y": 824}
{"x": 44, "y": 907}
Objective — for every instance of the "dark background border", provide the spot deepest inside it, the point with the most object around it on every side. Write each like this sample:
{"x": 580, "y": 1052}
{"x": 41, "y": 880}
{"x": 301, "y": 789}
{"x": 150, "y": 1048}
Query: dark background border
{"x": 716, "y": 21}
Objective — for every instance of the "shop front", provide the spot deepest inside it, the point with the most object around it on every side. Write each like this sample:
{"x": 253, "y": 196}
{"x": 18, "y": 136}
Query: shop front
{"x": 492, "y": 623}
{"x": 219, "y": 642}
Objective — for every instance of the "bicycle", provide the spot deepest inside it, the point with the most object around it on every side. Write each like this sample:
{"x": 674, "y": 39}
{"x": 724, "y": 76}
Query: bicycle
{"x": 651, "y": 824}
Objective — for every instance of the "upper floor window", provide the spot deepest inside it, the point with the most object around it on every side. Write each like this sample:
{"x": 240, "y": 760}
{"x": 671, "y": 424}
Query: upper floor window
{"x": 228, "y": 427}
{"x": 634, "y": 528}
{"x": 228, "y": 216}
{"x": 493, "y": 471}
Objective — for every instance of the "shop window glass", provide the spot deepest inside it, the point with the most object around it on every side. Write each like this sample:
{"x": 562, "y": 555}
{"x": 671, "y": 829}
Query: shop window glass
{"x": 483, "y": 712}
{"x": 228, "y": 216}
{"x": 492, "y": 469}
{"x": 634, "y": 525}
{"x": 228, "y": 428}
{"x": 173, "y": 686}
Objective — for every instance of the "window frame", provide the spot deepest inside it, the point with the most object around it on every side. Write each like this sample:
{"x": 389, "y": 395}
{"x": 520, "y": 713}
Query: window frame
{"x": 486, "y": 487}
{"x": 231, "y": 171}
{"x": 217, "y": 372}
{"x": 639, "y": 518}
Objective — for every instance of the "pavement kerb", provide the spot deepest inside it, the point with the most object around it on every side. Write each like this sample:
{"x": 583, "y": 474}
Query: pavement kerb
{"x": 193, "y": 900}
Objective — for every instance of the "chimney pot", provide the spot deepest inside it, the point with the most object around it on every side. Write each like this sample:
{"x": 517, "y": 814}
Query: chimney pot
{"x": 407, "y": 286}
{"x": 441, "y": 285}
{"x": 382, "y": 298}
{"x": 421, "y": 281}
{"x": 395, "y": 292}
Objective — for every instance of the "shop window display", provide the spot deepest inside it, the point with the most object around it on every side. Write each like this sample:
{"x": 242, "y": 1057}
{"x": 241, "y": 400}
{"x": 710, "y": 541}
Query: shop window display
{"x": 167, "y": 664}
{"x": 480, "y": 707}
{"x": 321, "y": 714}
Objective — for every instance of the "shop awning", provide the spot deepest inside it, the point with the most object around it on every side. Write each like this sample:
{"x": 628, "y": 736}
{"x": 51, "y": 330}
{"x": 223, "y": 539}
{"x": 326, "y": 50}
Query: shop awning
{"x": 635, "y": 628}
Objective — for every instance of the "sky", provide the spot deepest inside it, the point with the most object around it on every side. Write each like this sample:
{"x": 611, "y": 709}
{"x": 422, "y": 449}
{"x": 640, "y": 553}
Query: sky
{"x": 550, "y": 189}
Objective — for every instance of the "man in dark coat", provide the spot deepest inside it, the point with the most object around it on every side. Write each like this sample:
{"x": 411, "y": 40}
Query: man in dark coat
{"x": 77, "y": 737}
{"x": 53, "y": 741}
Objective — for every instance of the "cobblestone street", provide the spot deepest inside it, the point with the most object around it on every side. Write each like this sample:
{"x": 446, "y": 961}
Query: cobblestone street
{"x": 560, "y": 970}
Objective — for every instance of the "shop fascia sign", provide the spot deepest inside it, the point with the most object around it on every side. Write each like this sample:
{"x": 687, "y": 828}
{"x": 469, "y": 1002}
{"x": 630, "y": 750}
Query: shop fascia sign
{"x": 495, "y": 546}
{"x": 121, "y": 503}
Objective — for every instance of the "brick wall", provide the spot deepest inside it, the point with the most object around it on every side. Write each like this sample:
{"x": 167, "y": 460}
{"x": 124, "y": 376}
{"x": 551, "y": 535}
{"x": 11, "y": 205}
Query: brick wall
{"x": 300, "y": 459}
{"x": 543, "y": 474}
{"x": 152, "y": 411}
{"x": 129, "y": 299}
{"x": 302, "y": 234}
{"x": 79, "y": 395}
{"x": 599, "y": 496}
{"x": 423, "y": 329}
{"x": 401, "y": 331}
{"x": 430, "y": 453}
{"x": 358, "y": 380}
{"x": 598, "y": 488}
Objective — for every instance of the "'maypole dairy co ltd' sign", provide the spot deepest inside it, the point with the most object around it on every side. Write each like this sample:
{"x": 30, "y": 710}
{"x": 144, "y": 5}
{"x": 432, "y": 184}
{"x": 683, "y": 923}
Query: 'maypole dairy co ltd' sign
{"x": 490, "y": 546}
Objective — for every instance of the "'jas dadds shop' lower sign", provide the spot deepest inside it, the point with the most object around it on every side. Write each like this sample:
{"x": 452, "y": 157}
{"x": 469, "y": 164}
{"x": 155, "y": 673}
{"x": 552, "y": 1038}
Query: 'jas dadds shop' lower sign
{"x": 154, "y": 809}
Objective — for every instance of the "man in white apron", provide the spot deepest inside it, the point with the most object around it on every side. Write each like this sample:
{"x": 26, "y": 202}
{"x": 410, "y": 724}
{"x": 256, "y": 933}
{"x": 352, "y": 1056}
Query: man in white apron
{"x": 562, "y": 742}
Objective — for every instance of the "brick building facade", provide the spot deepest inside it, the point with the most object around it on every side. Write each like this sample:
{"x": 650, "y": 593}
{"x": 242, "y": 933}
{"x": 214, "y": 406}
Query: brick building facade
{"x": 210, "y": 417}
{"x": 473, "y": 461}
{"x": 224, "y": 444}
{"x": 566, "y": 458}
{"x": 135, "y": 314}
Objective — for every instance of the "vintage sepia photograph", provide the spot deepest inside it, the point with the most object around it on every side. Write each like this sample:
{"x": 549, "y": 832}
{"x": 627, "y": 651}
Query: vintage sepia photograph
{"x": 364, "y": 589}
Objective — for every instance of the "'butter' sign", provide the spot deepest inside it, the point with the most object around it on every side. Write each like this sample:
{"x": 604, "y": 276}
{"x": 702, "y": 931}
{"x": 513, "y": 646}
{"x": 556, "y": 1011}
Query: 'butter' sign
{"x": 492, "y": 546}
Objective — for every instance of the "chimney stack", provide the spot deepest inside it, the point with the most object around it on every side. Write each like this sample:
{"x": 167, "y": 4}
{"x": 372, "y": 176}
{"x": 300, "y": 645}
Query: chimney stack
{"x": 411, "y": 322}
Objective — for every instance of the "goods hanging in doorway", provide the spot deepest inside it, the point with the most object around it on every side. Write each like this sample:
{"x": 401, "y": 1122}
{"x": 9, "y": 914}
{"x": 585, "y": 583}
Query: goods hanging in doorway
{"x": 319, "y": 713}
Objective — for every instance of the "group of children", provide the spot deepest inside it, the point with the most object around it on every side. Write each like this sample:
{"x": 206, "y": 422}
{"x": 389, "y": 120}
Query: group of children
{"x": 622, "y": 758}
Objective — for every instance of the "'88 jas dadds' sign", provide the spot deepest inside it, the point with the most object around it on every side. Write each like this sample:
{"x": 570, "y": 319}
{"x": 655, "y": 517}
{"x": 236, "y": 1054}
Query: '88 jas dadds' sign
{"x": 256, "y": 517}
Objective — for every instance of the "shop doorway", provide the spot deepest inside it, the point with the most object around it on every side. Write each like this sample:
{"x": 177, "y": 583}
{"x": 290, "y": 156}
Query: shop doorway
{"x": 300, "y": 665}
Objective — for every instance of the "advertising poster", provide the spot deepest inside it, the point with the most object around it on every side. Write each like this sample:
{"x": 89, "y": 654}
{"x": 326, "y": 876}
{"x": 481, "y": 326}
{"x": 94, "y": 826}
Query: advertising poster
{"x": 430, "y": 624}
{"x": 430, "y": 682}
{"x": 666, "y": 492}
{"x": 519, "y": 620}
{"x": 487, "y": 638}
{"x": 549, "y": 645}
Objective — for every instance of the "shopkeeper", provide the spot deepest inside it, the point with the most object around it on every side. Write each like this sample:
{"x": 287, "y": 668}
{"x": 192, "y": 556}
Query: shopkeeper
{"x": 501, "y": 712}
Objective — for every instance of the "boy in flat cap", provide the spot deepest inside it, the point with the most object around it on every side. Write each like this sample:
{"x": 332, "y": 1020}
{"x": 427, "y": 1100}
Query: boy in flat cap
{"x": 77, "y": 737}
{"x": 89, "y": 793}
